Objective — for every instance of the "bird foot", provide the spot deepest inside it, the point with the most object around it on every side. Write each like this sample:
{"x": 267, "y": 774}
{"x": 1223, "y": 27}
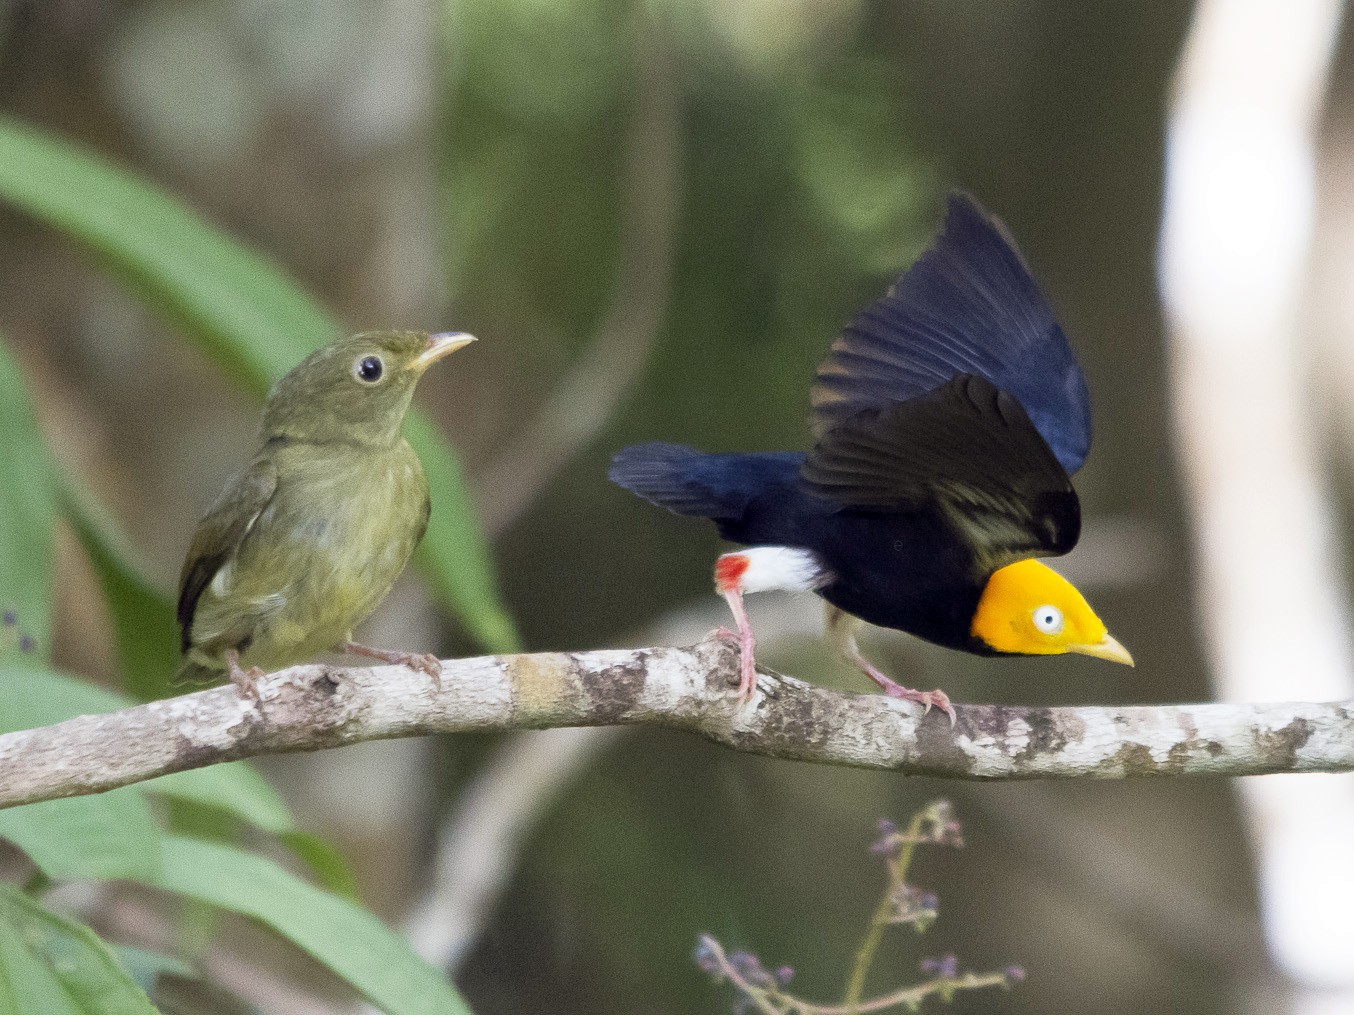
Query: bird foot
{"x": 936, "y": 698}
{"x": 723, "y": 634}
{"x": 747, "y": 675}
{"x": 420, "y": 662}
{"x": 245, "y": 681}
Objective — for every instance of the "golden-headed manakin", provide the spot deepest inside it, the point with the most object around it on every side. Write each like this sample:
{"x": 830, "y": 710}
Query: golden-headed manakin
{"x": 309, "y": 538}
{"x": 947, "y": 418}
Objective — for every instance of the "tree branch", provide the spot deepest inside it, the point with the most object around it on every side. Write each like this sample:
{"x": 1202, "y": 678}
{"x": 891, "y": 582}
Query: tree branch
{"x": 311, "y": 707}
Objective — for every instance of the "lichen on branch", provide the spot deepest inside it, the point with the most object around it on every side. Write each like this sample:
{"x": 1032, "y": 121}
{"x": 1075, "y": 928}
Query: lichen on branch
{"x": 312, "y": 707}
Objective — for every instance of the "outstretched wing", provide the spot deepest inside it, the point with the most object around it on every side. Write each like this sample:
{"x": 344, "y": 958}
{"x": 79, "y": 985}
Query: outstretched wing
{"x": 219, "y": 535}
{"x": 967, "y": 306}
{"x": 965, "y": 448}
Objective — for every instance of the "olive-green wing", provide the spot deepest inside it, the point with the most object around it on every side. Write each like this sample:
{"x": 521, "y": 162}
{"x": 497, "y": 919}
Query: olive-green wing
{"x": 966, "y": 449}
{"x": 220, "y": 533}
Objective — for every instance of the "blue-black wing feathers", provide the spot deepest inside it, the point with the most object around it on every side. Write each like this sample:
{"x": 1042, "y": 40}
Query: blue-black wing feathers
{"x": 968, "y": 306}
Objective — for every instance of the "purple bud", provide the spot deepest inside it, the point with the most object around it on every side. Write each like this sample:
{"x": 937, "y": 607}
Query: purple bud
{"x": 887, "y": 844}
{"x": 704, "y": 956}
{"x": 1014, "y": 974}
{"x": 912, "y": 905}
{"x": 26, "y": 643}
{"x": 11, "y": 618}
{"x": 946, "y": 967}
{"x": 784, "y": 975}
{"x": 749, "y": 967}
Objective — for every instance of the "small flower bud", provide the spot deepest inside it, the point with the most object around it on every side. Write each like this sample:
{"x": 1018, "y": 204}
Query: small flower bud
{"x": 946, "y": 967}
{"x": 888, "y": 842}
{"x": 705, "y": 956}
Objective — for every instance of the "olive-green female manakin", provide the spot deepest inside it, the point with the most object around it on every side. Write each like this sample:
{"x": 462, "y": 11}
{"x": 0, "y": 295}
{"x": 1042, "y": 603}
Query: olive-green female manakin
{"x": 308, "y": 539}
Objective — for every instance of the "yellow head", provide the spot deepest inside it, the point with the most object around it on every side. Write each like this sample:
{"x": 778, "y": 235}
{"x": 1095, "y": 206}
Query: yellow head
{"x": 1030, "y": 609}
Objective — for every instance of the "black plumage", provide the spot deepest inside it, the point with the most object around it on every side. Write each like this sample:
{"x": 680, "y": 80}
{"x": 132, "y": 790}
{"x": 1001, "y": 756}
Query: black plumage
{"x": 947, "y": 419}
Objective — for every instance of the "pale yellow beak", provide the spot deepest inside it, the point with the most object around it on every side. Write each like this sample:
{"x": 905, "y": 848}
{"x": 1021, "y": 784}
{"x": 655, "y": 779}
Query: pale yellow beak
{"x": 1105, "y": 648}
{"x": 440, "y": 345}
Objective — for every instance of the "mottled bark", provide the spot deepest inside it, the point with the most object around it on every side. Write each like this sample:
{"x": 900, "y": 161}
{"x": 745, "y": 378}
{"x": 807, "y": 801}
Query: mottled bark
{"x": 307, "y": 708}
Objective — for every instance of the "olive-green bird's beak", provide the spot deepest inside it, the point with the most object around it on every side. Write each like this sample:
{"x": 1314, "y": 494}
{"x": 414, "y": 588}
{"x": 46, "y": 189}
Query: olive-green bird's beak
{"x": 1105, "y": 648}
{"x": 440, "y": 345}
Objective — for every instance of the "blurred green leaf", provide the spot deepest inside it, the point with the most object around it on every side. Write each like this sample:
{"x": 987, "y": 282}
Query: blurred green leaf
{"x": 347, "y": 939}
{"x": 326, "y": 863}
{"x": 111, "y": 835}
{"x": 27, "y": 516}
{"x": 447, "y": 553}
{"x": 146, "y": 967}
{"x": 234, "y": 788}
{"x": 247, "y": 313}
{"x": 31, "y": 698}
{"x": 54, "y": 966}
{"x": 143, "y": 615}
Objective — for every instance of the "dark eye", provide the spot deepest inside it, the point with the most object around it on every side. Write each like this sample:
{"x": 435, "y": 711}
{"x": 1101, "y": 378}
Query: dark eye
{"x": 369, "y": 369}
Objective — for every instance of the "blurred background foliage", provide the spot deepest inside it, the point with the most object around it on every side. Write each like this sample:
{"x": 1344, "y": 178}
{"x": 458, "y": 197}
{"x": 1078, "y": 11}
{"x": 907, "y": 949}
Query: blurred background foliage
{"x": 655, "y": 215}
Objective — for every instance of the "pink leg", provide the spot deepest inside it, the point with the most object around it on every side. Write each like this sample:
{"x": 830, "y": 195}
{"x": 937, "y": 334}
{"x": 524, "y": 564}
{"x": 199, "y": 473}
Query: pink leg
{"x": 420, "y": 662}
{"x": 245, "y": 681}
{"x": 893, "y": 689}
{"x": 842, "y": 627}
{"x": 747, "y": 644}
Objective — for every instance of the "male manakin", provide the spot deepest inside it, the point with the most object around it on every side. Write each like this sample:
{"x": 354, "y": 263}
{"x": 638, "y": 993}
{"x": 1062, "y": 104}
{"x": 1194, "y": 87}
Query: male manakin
{"x": 947, "y": 420}
{"x": 307, "y": 540}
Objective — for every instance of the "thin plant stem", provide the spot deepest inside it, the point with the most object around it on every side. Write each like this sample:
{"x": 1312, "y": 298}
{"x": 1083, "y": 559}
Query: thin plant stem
{"x": 773, "y": 1002}
{"x": 869, "y": 944}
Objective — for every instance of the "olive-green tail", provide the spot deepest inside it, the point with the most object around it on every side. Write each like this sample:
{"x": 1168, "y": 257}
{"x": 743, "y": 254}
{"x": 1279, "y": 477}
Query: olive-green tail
{"x": 190, "y": 673}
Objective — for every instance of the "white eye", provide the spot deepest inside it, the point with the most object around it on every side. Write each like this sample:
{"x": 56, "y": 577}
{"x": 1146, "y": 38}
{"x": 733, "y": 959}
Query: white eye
{"x": 1048, "y": 619}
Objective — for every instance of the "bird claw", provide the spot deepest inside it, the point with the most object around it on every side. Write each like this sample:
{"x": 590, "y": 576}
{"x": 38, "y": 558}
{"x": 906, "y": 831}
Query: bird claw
{"x": 427, "y": 664}
{"x": 723, "y": 634}
{"x": 937, "y": 698}
{"x": 747, "y": 678}
{"x": 247, "y": 683}
{"x": 420, "y": 662}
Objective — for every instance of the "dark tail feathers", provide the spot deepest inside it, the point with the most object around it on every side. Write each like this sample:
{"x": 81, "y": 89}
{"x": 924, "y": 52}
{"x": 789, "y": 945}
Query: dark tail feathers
{"x": 689, "y": 482}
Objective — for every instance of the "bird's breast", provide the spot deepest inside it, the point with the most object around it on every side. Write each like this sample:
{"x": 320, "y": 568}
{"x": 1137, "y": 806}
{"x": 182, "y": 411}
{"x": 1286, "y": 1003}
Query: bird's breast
{"x": 329, "y": 546}
{"x": 908, "y": 572}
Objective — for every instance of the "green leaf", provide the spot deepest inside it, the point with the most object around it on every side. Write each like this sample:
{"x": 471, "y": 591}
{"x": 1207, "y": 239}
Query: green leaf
{"x": 446, "y": 553}
{"x": 32, "y": 698}
{"x": 234, "y": 788}
{"x": 27, "y": 517}
{"x": 146, "y": 967}
{"x": 143, "y": 616}
{"x": 110, "y": 835}
{"x": 247, "y": 313}
{"x": 326, "y": 863}
{"x": 54, "y": 966}
{"x": 347, "y": 939}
